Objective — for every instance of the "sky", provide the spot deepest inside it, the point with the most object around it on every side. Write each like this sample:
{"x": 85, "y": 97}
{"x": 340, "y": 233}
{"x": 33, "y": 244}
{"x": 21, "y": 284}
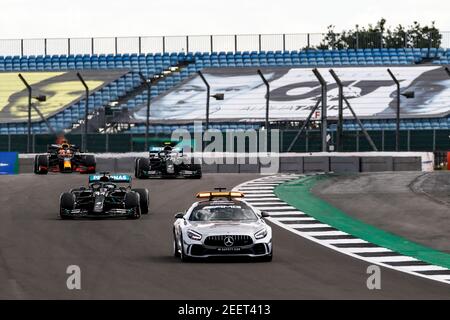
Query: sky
{"x": 24, "y": 19}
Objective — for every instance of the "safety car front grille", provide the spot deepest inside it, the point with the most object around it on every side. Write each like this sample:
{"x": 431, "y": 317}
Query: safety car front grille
{"x": 224, "y": 240}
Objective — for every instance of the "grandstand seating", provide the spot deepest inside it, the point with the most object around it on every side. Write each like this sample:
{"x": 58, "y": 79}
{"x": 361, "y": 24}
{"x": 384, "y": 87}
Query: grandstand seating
{"x": 152, "y": 64}
{"x": 405, "y": 124}
{"x": 149, "y": 65}
{"x": 311, "y": 58}
{"x": 443, "y": 58}
{"x": 167, "y": 129}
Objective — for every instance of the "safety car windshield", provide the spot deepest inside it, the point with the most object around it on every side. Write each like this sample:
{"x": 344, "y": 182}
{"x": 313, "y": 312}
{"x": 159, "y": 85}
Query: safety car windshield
{"x": 226, "y": 211}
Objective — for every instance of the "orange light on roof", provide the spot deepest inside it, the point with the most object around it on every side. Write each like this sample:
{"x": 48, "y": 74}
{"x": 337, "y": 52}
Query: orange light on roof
{"x": 203, "y": 194}
{"x": 236, "y": 194}
{"x": 229, "y": 194}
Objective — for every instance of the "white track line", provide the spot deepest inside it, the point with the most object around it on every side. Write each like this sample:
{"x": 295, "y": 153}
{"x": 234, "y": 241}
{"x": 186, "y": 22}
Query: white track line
{"x": 276, "y": 208}
{"x": 296, "y": 219}
{"x": 441, "y": 278}
{"x": 392, "y": 259}
{"x": 423, "y": 268}
{"x": 258, "y": 193}
{"x": 258, "y": 196}
{"x": 309, "y": 227}
{"x": 339, "y": 241}
{"x": 364, "y": 250}
{"x": 326, "y": 233}
{"x": 282, "y": 213}
{"x": 261, "y": 200}
{"x": 260, "y": 204}
{"x": 257, "y": 188}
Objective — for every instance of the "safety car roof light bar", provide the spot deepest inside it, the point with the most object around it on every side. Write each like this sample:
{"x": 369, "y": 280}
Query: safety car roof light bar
{"x": 220, "y": 194}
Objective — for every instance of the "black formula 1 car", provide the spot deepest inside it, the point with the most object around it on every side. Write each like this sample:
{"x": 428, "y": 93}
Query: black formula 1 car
{"x": 65, "y": 158}
{"x": 104, "y": 197}
{"x": 167, "y": 162}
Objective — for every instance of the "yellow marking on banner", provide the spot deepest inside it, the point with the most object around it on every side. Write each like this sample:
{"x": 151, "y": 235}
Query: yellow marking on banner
{"x": 59, "y": 94}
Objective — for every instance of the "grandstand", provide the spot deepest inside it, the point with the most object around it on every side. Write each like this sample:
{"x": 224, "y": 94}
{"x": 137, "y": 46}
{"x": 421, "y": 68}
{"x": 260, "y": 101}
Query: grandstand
{"x": 73, "y": 113}
{"x": 61, "y": 88}
{"x": 115, "y": 81}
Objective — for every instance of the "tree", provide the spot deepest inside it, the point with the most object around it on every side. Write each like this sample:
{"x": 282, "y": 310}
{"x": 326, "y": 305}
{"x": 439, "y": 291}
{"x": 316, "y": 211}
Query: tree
{"x": 379, "y": 36}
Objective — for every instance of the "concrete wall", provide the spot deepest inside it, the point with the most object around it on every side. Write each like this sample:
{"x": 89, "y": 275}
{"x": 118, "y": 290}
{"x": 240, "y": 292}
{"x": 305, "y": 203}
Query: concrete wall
{"x": 376, "y": 164}
{"x": 291, "y": 164}
{"x": 316, "y": 164}
{"x": 407, "y": 163}
{"x": 249, "y": 168}
{"x": 287, "y": 164}
{"x": 345, "y": 164}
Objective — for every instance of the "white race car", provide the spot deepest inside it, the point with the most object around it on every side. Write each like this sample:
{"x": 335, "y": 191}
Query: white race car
{"x": 222, "y": 224}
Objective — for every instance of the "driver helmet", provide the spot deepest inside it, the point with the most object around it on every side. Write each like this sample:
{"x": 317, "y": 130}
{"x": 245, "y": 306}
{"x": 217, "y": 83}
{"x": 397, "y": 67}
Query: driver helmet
{"x": 65, "y": 148}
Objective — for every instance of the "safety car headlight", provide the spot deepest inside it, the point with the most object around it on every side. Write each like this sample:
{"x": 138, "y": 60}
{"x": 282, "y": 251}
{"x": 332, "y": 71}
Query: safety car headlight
{"x": 194, "y": 235}
{"x": 261, "y": 233}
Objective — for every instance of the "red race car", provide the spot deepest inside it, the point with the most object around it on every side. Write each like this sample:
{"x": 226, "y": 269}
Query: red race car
{"x": 65, "y": 158}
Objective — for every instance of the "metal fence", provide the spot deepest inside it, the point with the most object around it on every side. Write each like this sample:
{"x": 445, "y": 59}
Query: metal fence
{"x": 410, "y": 140}
{"x": 213, "y": 43}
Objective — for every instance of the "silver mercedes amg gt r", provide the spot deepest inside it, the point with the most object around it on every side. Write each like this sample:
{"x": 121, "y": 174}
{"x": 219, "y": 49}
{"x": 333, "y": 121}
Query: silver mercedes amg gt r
{"x": 221, "y": 224}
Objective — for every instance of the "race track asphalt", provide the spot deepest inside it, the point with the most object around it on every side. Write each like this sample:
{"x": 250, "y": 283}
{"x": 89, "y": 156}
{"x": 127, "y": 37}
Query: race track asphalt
{"x": 132, "y": 259}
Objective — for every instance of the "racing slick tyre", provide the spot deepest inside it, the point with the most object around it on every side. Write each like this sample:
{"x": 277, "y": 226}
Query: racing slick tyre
{"x": 35, "y": 166}
{"x": 198, "y": 168}
{"x": 89, "y": 162}
{"x": 143, "y": 199}
{"x": 132, "y": 201}
{"x": 142, "y": 164}
{"x": 41, "y": 164}
{"x": 135, "y": 167}
{"x": 66, "y": 202}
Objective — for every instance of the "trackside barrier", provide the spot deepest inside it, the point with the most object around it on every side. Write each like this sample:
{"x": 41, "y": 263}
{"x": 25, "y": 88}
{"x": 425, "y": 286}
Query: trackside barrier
{"x": 345, "y": 164}
{"x": 377, "y": 164}
{"x": 285, "y": 163}
{"x": 291, "y": 164}
{"x": 406, "y": 163}
{"x": 411, "y": 141}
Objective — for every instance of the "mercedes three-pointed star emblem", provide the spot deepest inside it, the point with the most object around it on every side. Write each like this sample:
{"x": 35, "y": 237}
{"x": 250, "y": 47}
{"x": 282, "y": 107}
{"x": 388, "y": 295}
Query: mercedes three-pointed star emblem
{"x": 228, "y": 241}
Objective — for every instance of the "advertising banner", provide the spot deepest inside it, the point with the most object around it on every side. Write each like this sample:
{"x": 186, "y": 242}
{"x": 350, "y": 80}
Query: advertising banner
{"x": 294, "y": 92}
{"x": 9, "y": 163}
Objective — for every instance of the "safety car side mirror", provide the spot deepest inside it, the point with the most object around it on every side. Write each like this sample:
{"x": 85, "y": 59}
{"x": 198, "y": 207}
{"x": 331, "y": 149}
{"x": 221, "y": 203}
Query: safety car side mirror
{"x": 179, "y": 215}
